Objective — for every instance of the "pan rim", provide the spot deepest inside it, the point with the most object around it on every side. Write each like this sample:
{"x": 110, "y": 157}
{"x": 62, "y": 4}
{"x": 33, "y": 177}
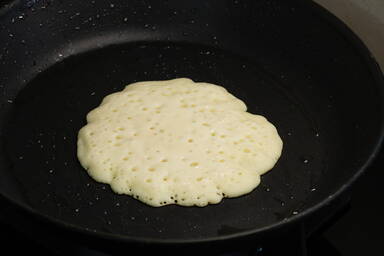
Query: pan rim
{"x": 378, "y": 77}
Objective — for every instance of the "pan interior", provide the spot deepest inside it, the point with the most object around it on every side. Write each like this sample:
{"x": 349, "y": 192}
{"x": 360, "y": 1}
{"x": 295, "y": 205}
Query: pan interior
{"x": 321, "y": 96}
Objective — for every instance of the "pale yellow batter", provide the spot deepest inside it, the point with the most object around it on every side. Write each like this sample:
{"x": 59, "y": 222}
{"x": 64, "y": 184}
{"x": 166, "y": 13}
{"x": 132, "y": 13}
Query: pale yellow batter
{"x": 177, "y": 142}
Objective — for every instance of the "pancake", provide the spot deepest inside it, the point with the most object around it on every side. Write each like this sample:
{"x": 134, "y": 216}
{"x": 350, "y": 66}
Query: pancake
{"x": 177, "y": 142}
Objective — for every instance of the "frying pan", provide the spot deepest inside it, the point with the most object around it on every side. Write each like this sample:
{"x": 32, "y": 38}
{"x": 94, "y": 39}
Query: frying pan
{"x": 290, "y": 61}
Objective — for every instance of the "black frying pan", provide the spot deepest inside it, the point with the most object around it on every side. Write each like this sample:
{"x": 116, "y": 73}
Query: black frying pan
{"x": 290, "y": 61}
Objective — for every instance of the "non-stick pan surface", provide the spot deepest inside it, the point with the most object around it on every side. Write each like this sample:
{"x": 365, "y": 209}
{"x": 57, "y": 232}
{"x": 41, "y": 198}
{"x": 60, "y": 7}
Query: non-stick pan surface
{"x": 289, "y": 61}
